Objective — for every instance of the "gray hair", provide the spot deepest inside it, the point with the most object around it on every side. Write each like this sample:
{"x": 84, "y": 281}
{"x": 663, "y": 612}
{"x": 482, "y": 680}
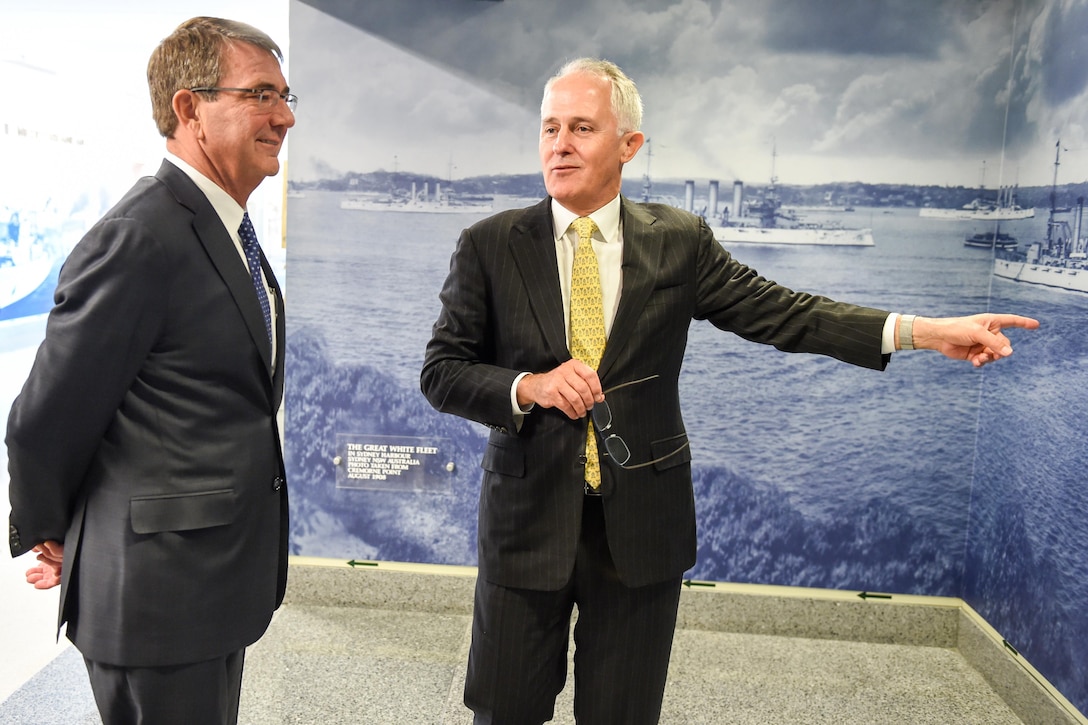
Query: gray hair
{"x": 626, "y": 101}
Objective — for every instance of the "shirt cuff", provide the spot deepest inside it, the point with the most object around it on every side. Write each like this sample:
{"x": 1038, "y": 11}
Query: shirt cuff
{"x": 519, "y": 412}
{"x": 887, "y": 337}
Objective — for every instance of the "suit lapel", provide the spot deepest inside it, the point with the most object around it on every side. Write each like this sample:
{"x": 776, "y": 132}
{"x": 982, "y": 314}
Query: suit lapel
{"x": 642, "y": 253}
{"x": 224, "y": 256}
{"x": 532, "y": 245}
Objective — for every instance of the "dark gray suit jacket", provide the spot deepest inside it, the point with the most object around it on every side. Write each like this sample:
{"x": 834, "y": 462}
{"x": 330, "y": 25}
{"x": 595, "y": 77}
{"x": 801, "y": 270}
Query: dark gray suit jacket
{"x": 145, "y": 438}
{"x": 502, "y": 314}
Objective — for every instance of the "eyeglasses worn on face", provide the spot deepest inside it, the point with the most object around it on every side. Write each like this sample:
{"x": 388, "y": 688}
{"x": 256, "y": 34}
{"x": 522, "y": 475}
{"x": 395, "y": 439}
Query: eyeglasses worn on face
{"x": 616, "y": 447}
{"x": 267, "y": 98}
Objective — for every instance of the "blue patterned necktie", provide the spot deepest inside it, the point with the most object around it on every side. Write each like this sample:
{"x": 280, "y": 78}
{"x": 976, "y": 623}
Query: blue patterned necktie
{"x": 253, "y": 258}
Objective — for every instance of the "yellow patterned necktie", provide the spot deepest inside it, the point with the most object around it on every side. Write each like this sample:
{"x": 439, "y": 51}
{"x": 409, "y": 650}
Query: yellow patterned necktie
{"x": 587, "y": 336}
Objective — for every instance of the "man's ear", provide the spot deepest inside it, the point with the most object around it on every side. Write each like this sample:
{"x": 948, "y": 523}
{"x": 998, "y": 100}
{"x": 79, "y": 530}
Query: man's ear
{"x": 631, "y": 145}
{"x": 185, "y": 108}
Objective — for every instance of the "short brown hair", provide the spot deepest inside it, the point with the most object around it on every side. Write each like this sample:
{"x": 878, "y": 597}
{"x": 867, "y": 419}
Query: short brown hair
{"x": 190, "y": 57}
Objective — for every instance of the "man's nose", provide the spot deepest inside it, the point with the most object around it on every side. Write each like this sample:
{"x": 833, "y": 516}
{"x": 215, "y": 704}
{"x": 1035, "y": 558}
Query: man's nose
{"x": 562, "y": 141}
{"x": 284, "y": 115}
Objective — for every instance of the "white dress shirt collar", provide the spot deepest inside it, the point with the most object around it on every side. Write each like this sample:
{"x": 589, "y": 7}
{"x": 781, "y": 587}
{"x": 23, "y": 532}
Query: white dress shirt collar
{"x": 607, "y": 219}
{"x": 223, "y": 203}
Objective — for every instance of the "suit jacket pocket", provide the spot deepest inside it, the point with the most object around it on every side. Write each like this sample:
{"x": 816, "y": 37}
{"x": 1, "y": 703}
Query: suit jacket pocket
{"x": 671, "y": 451}
{"x": 182, "y": 512}
{"x": 505, "y": 460}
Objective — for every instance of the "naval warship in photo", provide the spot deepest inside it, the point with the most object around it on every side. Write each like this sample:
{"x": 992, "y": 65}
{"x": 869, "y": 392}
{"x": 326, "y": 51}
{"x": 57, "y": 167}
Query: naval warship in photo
{"x": 1060, "y": 259}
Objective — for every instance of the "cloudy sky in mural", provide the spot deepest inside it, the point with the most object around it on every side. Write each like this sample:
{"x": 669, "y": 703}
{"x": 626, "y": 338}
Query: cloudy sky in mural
{"x": 843, "y": 90}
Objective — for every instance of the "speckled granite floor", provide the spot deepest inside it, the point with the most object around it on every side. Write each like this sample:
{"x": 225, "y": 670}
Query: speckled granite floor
{"x": 388, "y": 645}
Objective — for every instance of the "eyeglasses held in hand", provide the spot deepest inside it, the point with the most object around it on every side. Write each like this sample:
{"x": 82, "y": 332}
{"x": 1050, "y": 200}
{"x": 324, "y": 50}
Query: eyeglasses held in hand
{"x": 267, "y": 98}
{"x": 617, "y": 449}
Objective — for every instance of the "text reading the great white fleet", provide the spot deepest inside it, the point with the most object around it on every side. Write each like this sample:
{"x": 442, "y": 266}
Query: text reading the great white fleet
{"x": 392, "y": 463}
{"x": 377, "y": 462}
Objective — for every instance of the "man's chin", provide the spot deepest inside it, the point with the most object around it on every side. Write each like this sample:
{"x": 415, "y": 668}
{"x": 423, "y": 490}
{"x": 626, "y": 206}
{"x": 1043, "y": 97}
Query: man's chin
{"x": 576, "y": 201}
{"x": 271, "y": 166}
{"x": 561, "y": 192}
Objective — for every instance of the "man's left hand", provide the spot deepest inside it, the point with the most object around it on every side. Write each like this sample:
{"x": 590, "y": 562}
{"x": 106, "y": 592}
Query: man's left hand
{"x": 46, "y": 574}
{"x": 977, "y": 338}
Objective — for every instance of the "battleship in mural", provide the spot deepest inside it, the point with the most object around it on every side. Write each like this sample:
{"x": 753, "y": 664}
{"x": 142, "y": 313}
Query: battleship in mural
{"x": 1060, "y": 259}
{"x": 442, "y": 201}
{"x": 764, "y": 221}
{"x": 1004, "y": 208}
{"x": 24, "y": 262}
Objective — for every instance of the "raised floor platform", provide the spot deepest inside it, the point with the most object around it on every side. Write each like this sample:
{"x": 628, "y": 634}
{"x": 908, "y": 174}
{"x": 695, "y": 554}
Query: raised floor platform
{"x": 388, "y": 643}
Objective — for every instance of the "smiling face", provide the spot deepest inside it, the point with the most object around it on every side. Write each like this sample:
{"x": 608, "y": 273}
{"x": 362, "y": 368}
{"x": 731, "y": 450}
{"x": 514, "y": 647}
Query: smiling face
{"x": 227, "y": 137}
{"x": 582, "y": 151}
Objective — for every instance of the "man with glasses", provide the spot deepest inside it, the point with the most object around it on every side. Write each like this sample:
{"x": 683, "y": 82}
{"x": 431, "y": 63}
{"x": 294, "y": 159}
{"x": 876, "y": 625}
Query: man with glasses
{"x": 614, "y": 531}
{"x": 144, "y": 449}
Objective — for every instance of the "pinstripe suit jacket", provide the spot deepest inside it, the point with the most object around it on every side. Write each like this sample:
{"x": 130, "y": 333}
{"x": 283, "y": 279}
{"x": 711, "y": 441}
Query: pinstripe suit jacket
{"x": 502, "y": 314}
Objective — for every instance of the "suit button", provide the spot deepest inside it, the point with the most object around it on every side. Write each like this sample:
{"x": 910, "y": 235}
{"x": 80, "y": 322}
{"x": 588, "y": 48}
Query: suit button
{"x": 277, "y": 483}
{"x": 13, "y": 537}
{"x": 582, "y": 459}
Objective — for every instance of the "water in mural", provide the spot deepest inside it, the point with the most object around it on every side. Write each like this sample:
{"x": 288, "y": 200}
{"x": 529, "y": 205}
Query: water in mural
{"x": 1026, "y": 566}
{"x": 800, "y": 475}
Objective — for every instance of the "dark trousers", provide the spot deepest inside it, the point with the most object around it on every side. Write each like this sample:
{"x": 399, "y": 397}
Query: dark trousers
{"x": 623, "y": 638}
{"x": 203, "y": 692}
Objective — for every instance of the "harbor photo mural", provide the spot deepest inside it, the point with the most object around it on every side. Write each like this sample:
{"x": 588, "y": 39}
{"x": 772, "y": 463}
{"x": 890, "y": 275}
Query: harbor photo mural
{"x": 926, "y": 162}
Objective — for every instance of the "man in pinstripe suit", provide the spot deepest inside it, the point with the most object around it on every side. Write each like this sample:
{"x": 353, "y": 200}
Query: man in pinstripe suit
{"x": 500, "y": 355}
